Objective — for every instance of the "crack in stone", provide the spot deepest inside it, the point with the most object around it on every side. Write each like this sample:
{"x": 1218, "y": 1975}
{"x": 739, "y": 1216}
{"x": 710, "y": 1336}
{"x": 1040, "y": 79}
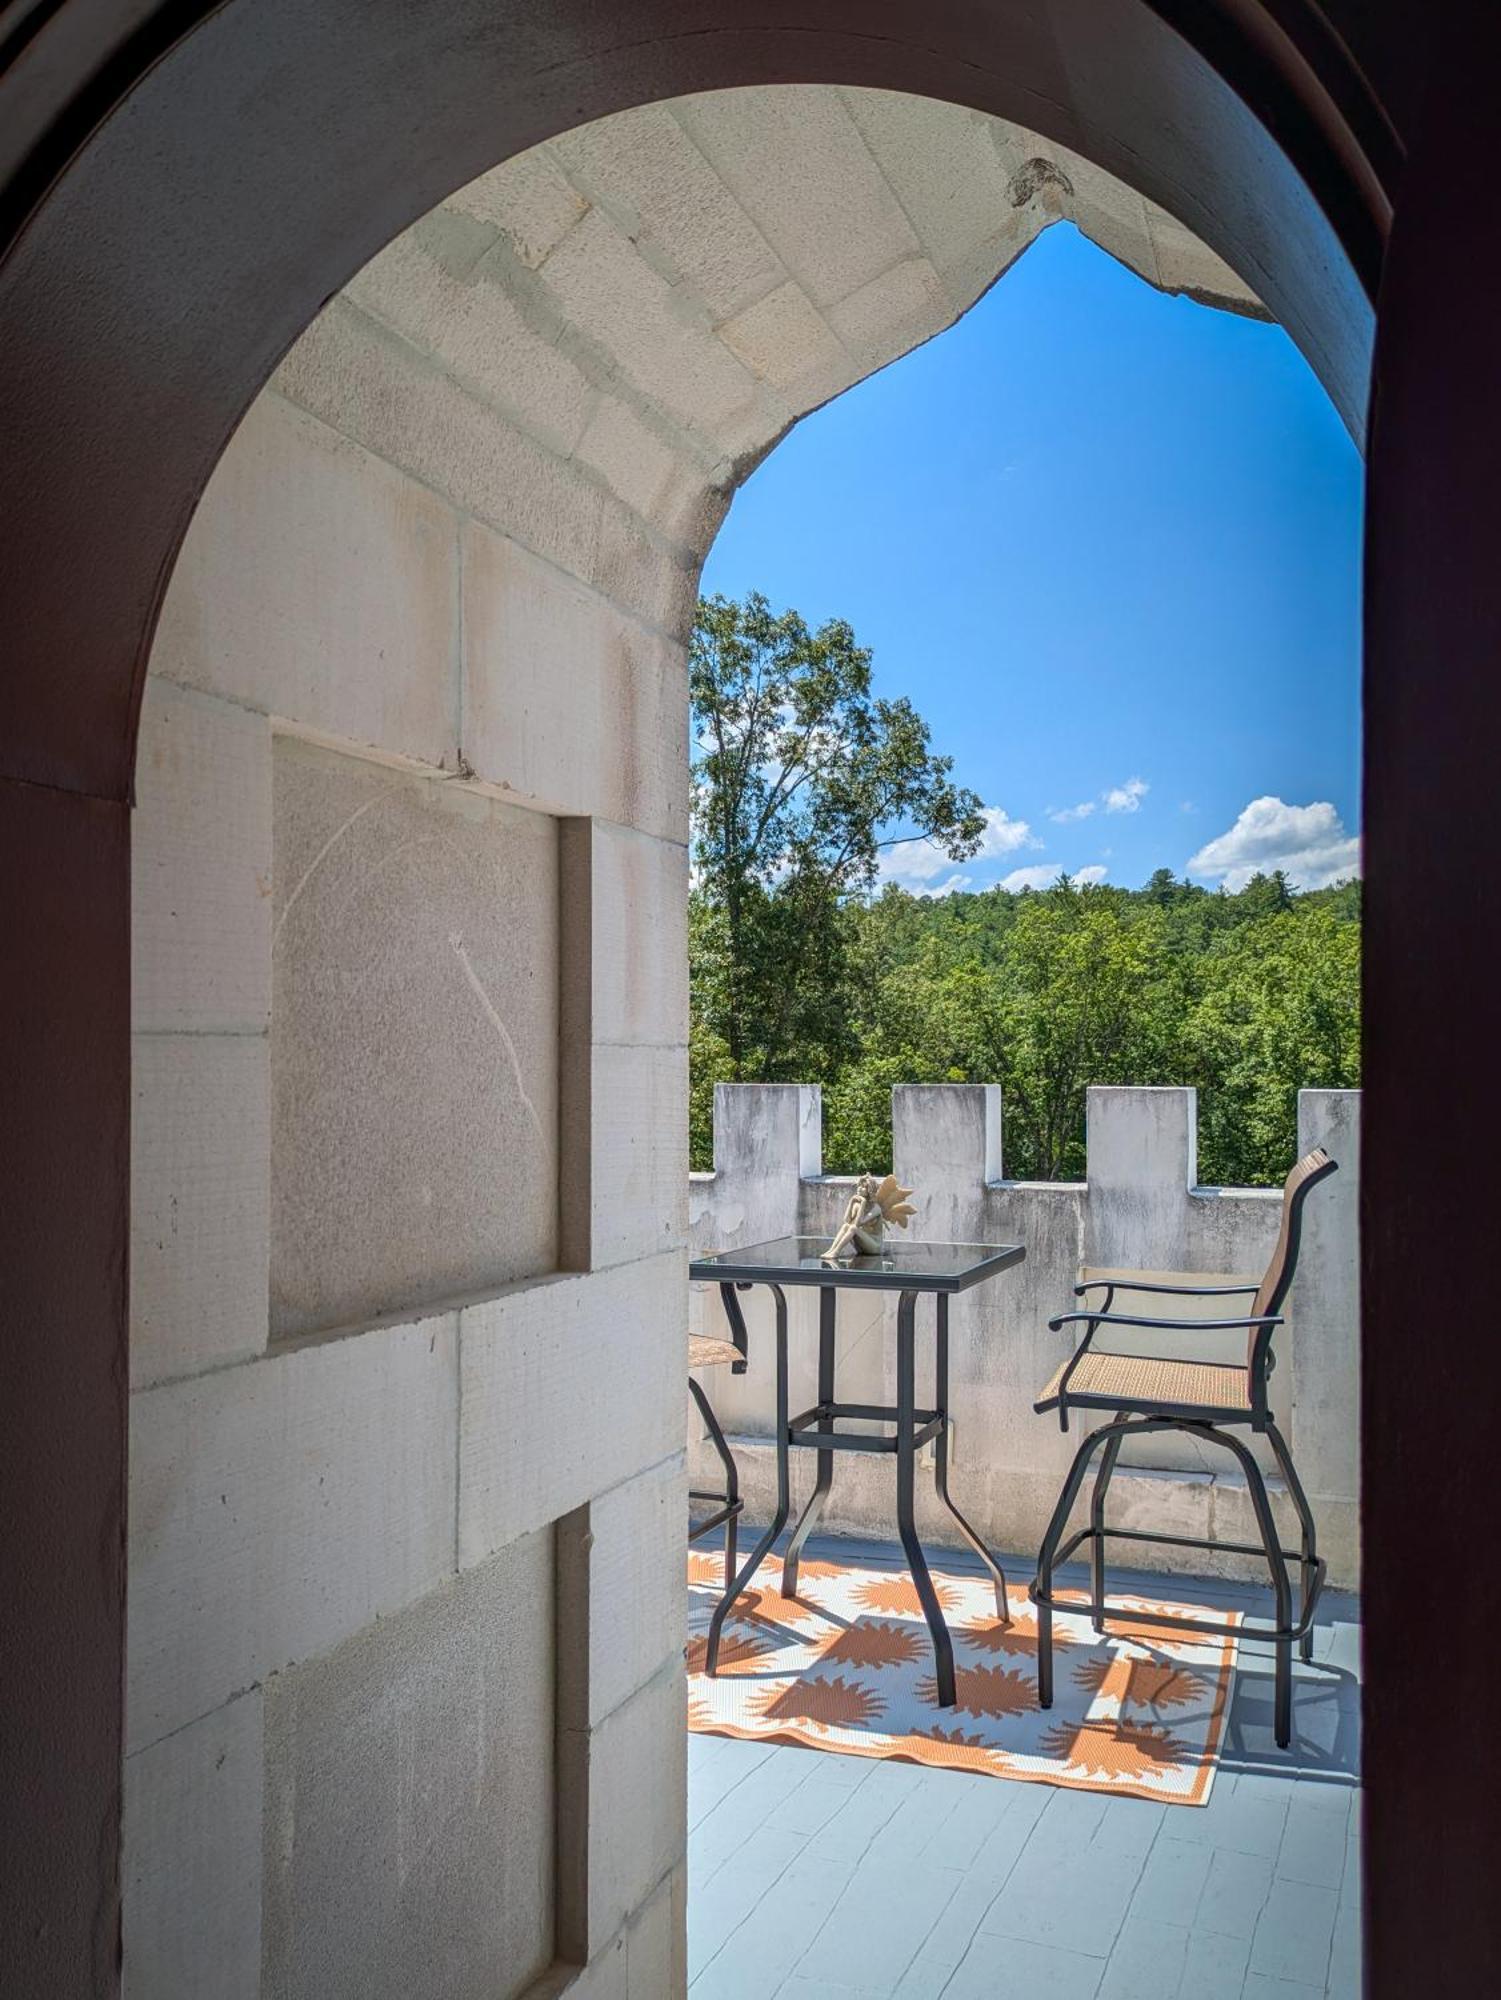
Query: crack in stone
{"x": 492, "y": 1015}
{"x": 317, "y": 862}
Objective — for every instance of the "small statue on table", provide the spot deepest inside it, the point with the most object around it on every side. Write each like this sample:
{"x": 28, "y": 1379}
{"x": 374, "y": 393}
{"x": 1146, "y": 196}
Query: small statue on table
{"x": 873, "y": 1204}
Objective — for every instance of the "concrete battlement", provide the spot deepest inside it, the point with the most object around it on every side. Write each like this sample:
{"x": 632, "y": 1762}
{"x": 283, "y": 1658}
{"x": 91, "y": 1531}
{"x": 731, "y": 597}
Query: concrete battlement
{"x": 1141, "y": 1209}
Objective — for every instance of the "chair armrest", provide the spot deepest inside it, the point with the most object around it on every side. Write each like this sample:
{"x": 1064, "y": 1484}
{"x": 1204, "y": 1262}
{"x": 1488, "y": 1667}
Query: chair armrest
{"x": 1094, "y": 1319}
{"x": 1129, "y": 1284}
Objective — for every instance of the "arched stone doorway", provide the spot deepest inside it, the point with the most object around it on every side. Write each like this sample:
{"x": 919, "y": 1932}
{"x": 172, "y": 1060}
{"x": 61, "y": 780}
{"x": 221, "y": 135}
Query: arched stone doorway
{"x": 203, "y": 195}
{"x": 409, "y": 894}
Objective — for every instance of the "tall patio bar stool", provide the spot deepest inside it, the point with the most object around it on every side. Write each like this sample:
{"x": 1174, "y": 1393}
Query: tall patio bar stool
{"x": 704, "y": 1351}
{"x": 1204, "y": 1400}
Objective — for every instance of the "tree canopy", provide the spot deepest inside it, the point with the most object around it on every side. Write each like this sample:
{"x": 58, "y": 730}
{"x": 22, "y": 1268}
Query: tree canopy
{"x": 800, "y": 778}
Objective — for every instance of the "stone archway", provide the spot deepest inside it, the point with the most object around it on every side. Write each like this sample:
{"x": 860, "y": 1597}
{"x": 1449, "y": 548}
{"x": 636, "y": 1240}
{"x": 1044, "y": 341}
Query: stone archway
{"x": 181, "y": 200}
{"x": 410, "y": 875}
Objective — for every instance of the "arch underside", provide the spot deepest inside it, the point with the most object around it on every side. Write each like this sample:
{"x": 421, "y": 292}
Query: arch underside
{"x": 659, "y": 296}
{"x": 183, "y": 236}
{"x": 588, "y": 348}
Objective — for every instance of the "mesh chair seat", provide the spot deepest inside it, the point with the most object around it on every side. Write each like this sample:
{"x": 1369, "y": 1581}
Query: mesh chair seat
{"x": 706, "y": 1352}
{"x": 1124, "y": 1381}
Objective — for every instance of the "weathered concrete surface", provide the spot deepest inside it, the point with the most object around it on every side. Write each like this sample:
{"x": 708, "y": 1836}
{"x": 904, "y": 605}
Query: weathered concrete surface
{"x": 409, "y": 1798}
{"x": 192, "y": 1858}
{"x": 279, "y": 1506}
{"x": 200, "y": 1236}
{"x": 1326, "y": 1358}
{"x": 317, "y": 583}
{"x": 1140, "y": 1211}
{"x": 631, "y": 1768}
{"x": 567, "y": 1388}
{"x": 414, "y": 1047}
{"x": 201, "y": 867}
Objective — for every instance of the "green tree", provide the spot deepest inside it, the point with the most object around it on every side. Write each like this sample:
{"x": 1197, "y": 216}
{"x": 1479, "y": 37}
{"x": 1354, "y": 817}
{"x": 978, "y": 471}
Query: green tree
{"x": 1275, "y": 1009}
{"x": 801, "y": 777}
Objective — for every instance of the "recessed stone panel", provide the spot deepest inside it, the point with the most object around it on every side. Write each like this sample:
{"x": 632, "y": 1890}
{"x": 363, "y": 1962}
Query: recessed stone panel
{"x": 410, "y": 1798}
{"x": 414, "y": 1047}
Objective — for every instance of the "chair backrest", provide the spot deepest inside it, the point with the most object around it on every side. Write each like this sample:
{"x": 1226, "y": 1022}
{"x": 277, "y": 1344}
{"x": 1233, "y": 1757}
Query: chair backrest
{"x": 1305, "y": 1176}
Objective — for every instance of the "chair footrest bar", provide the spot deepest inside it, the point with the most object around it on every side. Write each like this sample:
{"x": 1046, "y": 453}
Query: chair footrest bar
{"x": 1081, "y": 1605}
{"x": 1176, "y": 1542}
{"x": 698, "y": 1529}
{"x": 726, "y": 1511}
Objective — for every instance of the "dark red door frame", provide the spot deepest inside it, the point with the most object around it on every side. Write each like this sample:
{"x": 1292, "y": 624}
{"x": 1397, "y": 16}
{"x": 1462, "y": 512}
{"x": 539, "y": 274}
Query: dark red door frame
{"x": 180, "y": 189}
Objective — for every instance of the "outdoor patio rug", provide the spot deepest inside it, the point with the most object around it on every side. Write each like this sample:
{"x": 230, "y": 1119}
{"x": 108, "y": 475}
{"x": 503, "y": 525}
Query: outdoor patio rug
{"x": 849, "y": 1667}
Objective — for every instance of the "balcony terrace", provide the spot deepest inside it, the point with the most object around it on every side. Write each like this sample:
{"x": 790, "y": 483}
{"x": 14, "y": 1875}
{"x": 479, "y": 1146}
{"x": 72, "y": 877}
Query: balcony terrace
{"x": 814, "y": 1876}
{"x": 852, "y": 1876}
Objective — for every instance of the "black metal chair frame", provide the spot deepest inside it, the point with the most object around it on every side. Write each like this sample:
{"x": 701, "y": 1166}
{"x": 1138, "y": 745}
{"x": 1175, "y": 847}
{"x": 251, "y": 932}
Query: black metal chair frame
{"x": 1208, "y": 1424}
{"x": 728, "y": 1505}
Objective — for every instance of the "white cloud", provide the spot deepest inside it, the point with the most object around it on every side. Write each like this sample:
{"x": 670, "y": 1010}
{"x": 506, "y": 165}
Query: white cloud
{"x": 1003, "y": 835}
{"x": 944, "y": 888}
{"x": 917, "y": 864}
{"x": 1309, "y": 843}
{"x": 1043, "y": 874}
{"x": 1126, "y": 798}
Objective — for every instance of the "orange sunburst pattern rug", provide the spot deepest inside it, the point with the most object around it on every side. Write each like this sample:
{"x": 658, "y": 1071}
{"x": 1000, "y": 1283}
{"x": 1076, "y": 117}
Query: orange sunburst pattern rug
{"x": 848, "y": 1666}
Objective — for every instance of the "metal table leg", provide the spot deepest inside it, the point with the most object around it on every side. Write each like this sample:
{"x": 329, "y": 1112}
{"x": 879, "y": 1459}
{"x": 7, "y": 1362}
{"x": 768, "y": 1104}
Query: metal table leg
{"x": 906, "y": 1465}
{"x": 941, "y": 1463}
{"x": 828, "y": 1306}
{"x": 784, "y": 1499}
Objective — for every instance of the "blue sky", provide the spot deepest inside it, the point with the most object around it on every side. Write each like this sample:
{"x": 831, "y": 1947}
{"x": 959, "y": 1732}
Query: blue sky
{"x": 1109, "y": 543}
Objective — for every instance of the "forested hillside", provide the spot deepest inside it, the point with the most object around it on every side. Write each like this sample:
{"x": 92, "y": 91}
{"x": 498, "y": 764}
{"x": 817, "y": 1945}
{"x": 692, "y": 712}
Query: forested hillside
{"x": 1249, "y": 997}
{"x": 803, "y": 971}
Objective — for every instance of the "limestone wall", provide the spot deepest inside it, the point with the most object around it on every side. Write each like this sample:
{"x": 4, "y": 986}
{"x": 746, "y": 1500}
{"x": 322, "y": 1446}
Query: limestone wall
{"x": 408, "y": 1296}
{"x": 1140, "y": 1210}
{"x": 409, "y": 1168}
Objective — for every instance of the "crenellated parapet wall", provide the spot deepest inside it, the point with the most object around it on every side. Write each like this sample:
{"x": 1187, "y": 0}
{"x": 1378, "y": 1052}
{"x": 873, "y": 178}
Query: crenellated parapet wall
{"x": 1141, "y": 1209}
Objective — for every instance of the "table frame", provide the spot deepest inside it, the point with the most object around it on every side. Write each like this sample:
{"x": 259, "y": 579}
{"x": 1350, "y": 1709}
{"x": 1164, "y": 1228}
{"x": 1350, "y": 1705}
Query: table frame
{"x": 814, "y": 1430}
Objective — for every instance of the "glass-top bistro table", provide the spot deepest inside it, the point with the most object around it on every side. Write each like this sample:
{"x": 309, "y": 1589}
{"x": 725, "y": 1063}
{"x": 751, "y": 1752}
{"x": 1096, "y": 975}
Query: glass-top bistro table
{"x": 904, "y": 1268}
